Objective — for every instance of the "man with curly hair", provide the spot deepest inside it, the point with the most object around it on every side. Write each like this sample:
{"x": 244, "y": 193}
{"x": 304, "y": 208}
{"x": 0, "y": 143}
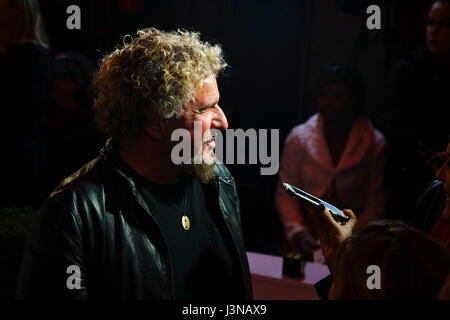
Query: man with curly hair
{"x": 131, "y": 224}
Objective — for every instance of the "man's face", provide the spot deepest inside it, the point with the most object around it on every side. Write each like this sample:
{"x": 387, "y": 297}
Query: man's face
{"x": 438, "y": 29}
{"x": 206, "y": 111}
{"x": 443, "y": 174}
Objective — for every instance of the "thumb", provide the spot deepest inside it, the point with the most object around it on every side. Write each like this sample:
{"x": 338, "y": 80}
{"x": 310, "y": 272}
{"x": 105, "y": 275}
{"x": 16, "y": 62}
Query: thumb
{"x": 350, "y": 214}
{"x": 352, "y": 217}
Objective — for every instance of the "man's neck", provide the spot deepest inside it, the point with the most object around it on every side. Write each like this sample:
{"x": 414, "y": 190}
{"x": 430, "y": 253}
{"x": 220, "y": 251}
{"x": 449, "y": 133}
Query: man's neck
{"x": 151, "y": 160}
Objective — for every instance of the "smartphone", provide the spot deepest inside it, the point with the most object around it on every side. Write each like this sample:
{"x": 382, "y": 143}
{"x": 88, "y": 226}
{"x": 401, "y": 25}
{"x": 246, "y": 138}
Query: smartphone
{"x": 297, "y": 193}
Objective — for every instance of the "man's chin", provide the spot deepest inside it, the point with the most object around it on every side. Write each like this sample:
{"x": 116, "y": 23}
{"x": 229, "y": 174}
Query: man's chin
{"x": 202, "y": 168}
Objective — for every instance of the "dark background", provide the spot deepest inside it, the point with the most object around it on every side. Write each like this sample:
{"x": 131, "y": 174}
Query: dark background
{"x": 275, "y": 50}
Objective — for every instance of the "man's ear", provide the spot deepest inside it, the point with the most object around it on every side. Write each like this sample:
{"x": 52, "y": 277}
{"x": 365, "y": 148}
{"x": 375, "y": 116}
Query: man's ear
{"x": 155, "y": 129}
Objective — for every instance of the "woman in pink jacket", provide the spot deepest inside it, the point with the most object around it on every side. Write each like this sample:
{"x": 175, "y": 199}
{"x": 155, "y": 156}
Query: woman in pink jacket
{"x": 336, "y": 155}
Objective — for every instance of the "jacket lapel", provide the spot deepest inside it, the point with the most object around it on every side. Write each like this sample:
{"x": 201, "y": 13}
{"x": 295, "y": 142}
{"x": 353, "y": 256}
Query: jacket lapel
{"x": 359, "y": 141}
{"x": 316, "y": 144}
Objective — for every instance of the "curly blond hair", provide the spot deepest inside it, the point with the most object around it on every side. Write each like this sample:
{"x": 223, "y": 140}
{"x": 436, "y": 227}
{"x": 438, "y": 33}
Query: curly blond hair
{"x": 150, "y": 79}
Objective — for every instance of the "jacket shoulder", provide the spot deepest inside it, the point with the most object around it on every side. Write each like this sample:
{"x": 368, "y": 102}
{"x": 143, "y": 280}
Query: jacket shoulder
{"x": 78, "y": 193}
{"x": 86, "y": 174}
{"x": 305, "y": 130}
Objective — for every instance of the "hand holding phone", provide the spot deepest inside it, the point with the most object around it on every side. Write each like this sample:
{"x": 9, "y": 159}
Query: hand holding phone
{"x": 297, "y": 193}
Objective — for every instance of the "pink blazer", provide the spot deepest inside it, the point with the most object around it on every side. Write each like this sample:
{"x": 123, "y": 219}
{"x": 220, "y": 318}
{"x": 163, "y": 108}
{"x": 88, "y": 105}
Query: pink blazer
{"x": 358, "y": 177}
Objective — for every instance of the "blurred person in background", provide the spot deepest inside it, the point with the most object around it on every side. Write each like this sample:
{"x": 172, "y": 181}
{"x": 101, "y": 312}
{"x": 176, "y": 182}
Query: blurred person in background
{"x": 72, "y": 135}
{"x": 408, "y": 263}
{"x": 337, "y": 155}
{"x": 428, "y": 209}
{"x": 441, "y": 227}
{"x": 25, "y": 82}
{"x": 413, "y": 263}
{"x": 415, "y": 120}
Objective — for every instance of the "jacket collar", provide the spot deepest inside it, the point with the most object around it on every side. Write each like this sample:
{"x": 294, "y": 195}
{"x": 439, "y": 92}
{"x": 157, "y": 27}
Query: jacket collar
{"x": 359, "y": 141}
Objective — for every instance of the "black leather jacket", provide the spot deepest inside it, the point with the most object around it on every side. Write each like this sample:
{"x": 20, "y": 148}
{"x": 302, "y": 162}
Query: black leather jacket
{"x": 97, "y": 220}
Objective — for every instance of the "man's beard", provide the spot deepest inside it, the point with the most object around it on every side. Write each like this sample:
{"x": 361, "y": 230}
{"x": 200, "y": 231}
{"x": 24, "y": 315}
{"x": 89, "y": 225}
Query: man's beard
{"x": 202, "y": 167}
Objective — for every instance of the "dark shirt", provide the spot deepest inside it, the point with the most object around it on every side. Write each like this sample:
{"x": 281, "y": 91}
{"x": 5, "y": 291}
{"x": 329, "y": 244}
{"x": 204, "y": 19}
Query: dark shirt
{"x": 200, "y": 260}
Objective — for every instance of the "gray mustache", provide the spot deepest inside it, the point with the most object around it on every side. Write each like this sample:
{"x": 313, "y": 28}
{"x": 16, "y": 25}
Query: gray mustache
{"x": 213, "y": 138}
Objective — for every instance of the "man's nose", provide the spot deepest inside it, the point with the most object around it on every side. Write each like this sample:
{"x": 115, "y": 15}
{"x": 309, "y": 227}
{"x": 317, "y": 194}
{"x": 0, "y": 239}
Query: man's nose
{"x": 219, "y": 120}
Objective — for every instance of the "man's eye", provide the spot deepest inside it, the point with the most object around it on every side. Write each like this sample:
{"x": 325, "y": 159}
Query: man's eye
{"x": 202, "y": 111}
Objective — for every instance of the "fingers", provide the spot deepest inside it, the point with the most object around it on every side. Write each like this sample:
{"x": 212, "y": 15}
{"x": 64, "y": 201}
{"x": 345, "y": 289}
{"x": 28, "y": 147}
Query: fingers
{"x": 323, "y": 220}
{"x": 352, "y": 217}
{"x": 349, "y": 213}
{"x": 327, "y": 217}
